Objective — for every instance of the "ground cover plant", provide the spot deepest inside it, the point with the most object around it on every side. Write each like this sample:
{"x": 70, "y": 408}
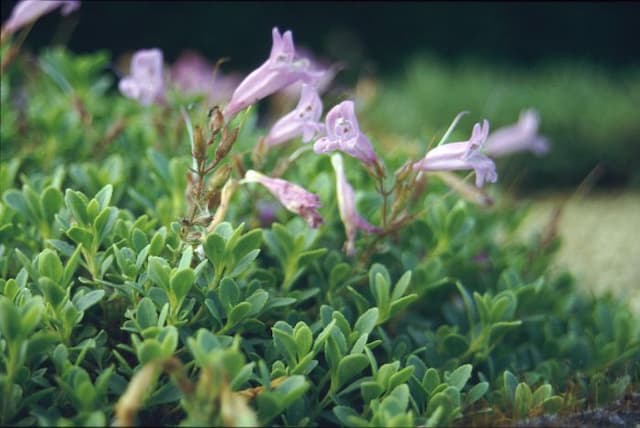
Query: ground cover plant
{"x": 168, "y": 258}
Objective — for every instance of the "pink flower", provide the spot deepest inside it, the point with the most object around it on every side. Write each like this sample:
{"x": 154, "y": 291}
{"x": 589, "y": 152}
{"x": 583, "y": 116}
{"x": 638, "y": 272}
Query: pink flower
{"x": 27, "y": 11}
{"x": 328, "y": 73}
{"x": 279, "y": 71}
{"x": 343, "y": 134}
{"x": 520, "y": 136}
{"x": 293, "y": 197}
{"x": 146, "y": 82}
{"x": 462, "y": 155}
{"x": 347, "y": 205}
{"x": 303, "y": 120}
{"x": 193, "y": 75}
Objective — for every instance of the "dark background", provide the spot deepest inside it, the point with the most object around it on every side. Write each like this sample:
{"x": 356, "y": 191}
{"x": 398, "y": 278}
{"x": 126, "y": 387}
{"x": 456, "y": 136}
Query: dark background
{"x": 383, "y": 34}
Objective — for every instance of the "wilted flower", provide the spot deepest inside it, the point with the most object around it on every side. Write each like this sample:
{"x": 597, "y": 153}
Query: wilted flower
{"x": 146, "y": 82}
{"x": 193, "y": 75}
{"x": 303, "y": 120}
{"x": 27, "y": 11}
{"x": 279, "y": 71}
{"x": 462, "y": 155}
{"x": 347, "y": 205}
{"x": 343, "y": 134}
{"x": 520, "y": 136}
{"x": 293, "y": 197}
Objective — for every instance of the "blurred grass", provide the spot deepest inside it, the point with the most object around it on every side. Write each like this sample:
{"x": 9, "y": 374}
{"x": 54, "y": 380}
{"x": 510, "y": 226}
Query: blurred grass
{"x": 590, "y": 114}
{"x": 600, "y": 244}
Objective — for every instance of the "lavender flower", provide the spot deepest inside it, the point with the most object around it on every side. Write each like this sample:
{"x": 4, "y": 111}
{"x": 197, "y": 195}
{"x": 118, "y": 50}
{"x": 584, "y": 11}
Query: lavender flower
{"x": 520, "y": 136}
{"x": 326, "y": 70}
{"x": 347, "y": 205}
{"x": 279, "y": 71}
{"x": 27, "y": 11}
{"x": 343, "y": 134}
{"x": 146, "y": 82}
{"x": 293, "y": 197}
{"x": 193, "y": 75}
{"x": 462, "y": 155}
{"x": 303, "y": 120}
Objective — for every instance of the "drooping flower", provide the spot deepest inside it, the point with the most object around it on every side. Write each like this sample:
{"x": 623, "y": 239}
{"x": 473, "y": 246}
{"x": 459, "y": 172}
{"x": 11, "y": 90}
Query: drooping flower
{"x": 293, "y": 197}
{"x": 520, "y": 136}
{"x": 347, "y": 206}
{"x": 27, "y": 11}
{"x": 302, "y": 121}
{"x": 193, "y": 75}
{"x": 462, "y": 155}
{"x": 343, "y": 134}
{"x": 145, "y": 84}
{"x": 279, "y": 71}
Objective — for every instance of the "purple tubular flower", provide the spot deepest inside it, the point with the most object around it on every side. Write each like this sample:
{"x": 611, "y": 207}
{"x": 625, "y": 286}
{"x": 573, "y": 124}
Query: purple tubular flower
{"x": 303, "y": 120}
{"x": 520, "y": 136}
{"x": 192, "y": 75}
{"x": 328, "y": 73}
{"x": 347, "y": 205}
{"x": 27, "y": 11}
{"x": 462, "y": 155}
{"x": 146, "y": 82}
{"x": 343, "y": 134}
{"x": 293, "y": 197}
{"x": 279, "y": 71}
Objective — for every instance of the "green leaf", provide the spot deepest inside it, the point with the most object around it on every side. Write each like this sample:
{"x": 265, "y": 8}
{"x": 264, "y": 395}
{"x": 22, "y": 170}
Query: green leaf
{"x": 9, "y": 320}
{"x": 51, "y": 201}
{"x": 366, "y": 322}
{"x": 401, "y": 286}
{"x": 430, "y": 380}
{"x": 157, "y": 242}
{"x": 81, "y": 235}
{"x": 214, "y": 249}
{"x": 238, "y": 313}
{"x": 257, "y": 300}
{"x": 510, "y": 382}
{"x": 248, "y": 242}
{"x": 181, "y": 282}
{"x": 159, "y": 271}
{"x": 244, "y": 263}
{"x": 84, "y": 302}
{"x": 476, "y": 392}
{"x": 552, "y": 405}
{"x": 284, "y": 342}
{"x": 381, "y": 294}
{"x": 104, "y": 196}
{"x": 401, "y": 377}
{"x": 459, "y": 377}
{"x": 370, "y": 390}
{"x": 15, "y": 199}
{"x": 350, "y": 367}
{"x": 149, "y": 350}
{"x": 76, "y": 202}
{"x": 104, "y": 222}
{"x": 49, "y": 265}
{"x": 228, "y": 292}
{"x": 53, "y": 293}
{"x": 542, "y": 393}
{"x": 303, "y": 338}
{"x": 146, "y": 313}
{"x": 523, "y": 400}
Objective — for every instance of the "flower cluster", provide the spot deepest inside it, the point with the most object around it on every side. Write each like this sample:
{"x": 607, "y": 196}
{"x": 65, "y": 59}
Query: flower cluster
{"x": 286, "y": 70}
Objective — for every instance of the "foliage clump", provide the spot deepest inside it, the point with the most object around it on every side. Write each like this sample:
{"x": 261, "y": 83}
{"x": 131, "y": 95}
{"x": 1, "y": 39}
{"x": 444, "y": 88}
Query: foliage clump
{"x": 141, "y": 280}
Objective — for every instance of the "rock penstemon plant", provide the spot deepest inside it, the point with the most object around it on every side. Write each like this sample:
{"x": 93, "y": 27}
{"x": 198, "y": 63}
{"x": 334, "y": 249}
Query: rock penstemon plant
{"x": 149, "y": 280}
